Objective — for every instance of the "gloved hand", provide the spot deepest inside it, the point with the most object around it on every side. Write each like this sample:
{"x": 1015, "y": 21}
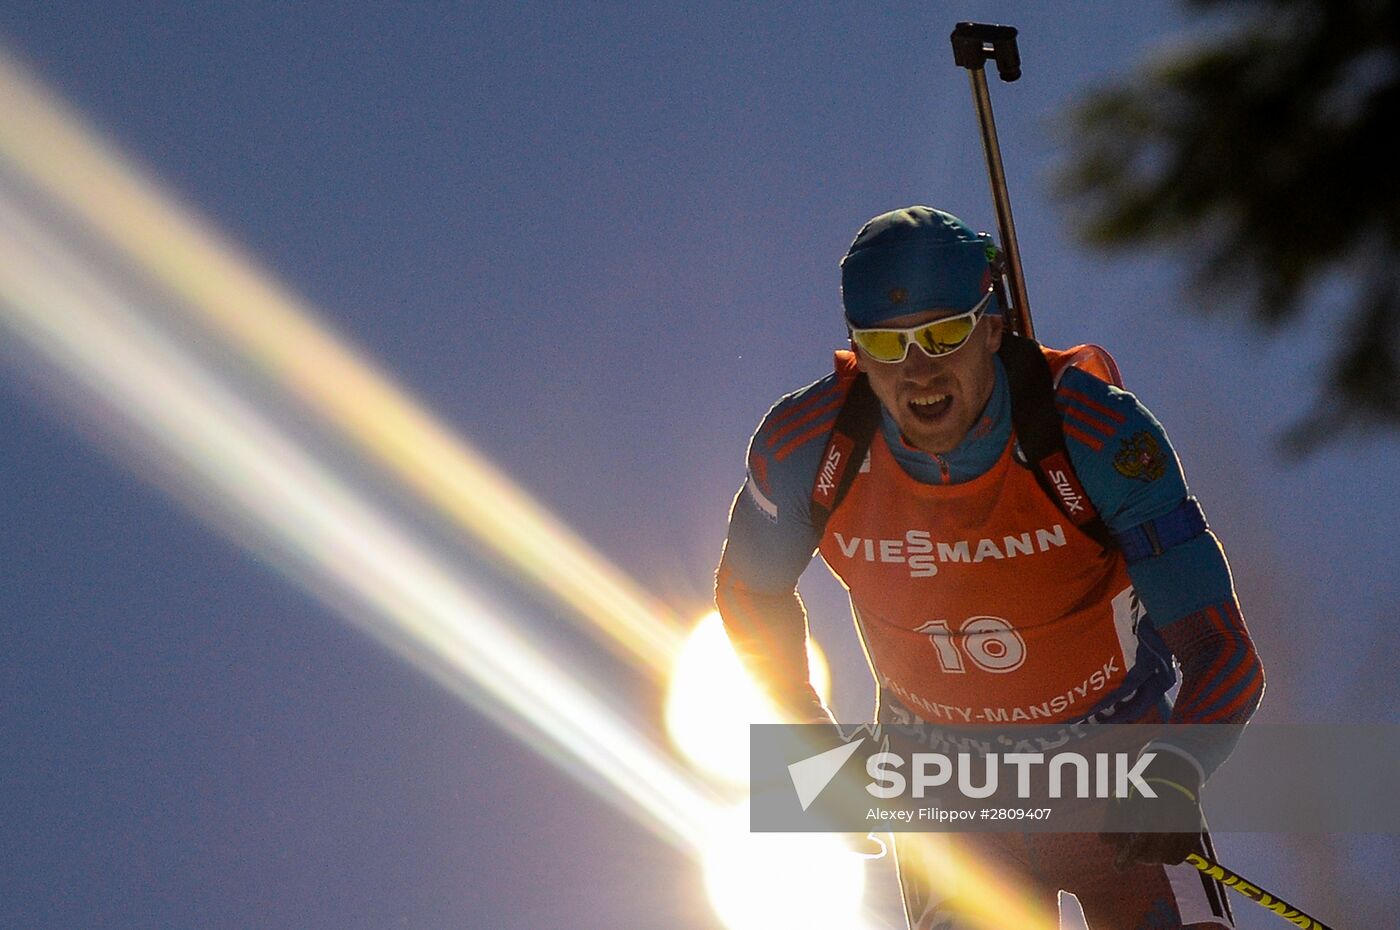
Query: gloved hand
{"x": 822, "y": 734}
{"x": 1163, "y": 829}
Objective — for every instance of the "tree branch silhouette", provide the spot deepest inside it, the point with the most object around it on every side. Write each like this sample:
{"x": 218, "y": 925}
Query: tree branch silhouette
{"x": 1269, "y": 156}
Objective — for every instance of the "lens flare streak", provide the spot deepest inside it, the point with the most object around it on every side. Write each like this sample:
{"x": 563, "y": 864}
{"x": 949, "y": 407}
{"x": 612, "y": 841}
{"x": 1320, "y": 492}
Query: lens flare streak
{"x": 233, "y": 456}
{"x": 77, "y": 170}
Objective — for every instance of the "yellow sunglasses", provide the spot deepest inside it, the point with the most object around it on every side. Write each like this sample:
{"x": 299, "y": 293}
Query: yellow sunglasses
{"x": 940, "y": 337}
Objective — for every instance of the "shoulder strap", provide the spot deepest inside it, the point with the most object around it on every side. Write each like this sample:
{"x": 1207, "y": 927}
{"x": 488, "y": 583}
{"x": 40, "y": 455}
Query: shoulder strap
{"x": 845, "y": 450}
{"x": 1040, "y": 434}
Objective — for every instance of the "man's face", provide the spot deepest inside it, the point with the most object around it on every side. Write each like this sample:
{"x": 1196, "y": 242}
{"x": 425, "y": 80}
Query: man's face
{"x": 935, "y": 401}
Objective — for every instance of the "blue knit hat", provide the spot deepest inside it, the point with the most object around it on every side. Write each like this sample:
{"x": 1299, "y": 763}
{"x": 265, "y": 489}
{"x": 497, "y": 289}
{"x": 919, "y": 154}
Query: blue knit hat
{"x": 912, "y": 260}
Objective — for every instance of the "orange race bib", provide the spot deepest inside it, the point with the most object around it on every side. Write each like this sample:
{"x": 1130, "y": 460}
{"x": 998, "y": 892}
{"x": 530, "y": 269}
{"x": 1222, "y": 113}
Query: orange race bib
{"x": 979, "y": 603}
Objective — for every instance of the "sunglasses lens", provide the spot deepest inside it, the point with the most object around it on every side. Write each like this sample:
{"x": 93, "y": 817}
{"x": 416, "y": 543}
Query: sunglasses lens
{"x": 885, "y": 345}
{"x": 944, "y": 336}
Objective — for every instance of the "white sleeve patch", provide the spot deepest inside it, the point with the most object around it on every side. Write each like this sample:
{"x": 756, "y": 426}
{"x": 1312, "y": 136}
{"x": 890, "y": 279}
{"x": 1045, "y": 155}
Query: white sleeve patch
{"x": 770, "y": 509}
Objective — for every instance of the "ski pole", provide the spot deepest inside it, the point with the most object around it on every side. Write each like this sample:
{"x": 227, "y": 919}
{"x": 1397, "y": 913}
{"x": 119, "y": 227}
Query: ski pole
{"x": 1256, "y": 894}
{"x": 973, "y": 44}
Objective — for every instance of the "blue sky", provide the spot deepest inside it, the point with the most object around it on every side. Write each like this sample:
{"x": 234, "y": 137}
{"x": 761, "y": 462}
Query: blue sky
{"x": 599, "y": 241}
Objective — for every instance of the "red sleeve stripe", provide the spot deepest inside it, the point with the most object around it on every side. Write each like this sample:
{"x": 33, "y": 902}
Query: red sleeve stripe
{"x": 1069, "y": 411}
{"x": 1092, "y": 404}
{"x": 1222, "y": 658}
{"x": 1230, "y": 689}
{"x": 1227, "y": 618}
{"x": 1076, "y": 433}
{"x": 758, "y": 466}
{"x": 789, "y": 428}
{"x": 816, "y": 398}
{"x": 821, "y": 429}
{"x": 1240, "y": 663}
{"x": 1239, "y": 693}
{"x": 1236, "y": 708}
{"x": 1229, "y": 653}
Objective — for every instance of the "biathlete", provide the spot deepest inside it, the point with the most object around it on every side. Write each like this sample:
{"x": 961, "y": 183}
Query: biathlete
{"x": 987, "y": 586}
